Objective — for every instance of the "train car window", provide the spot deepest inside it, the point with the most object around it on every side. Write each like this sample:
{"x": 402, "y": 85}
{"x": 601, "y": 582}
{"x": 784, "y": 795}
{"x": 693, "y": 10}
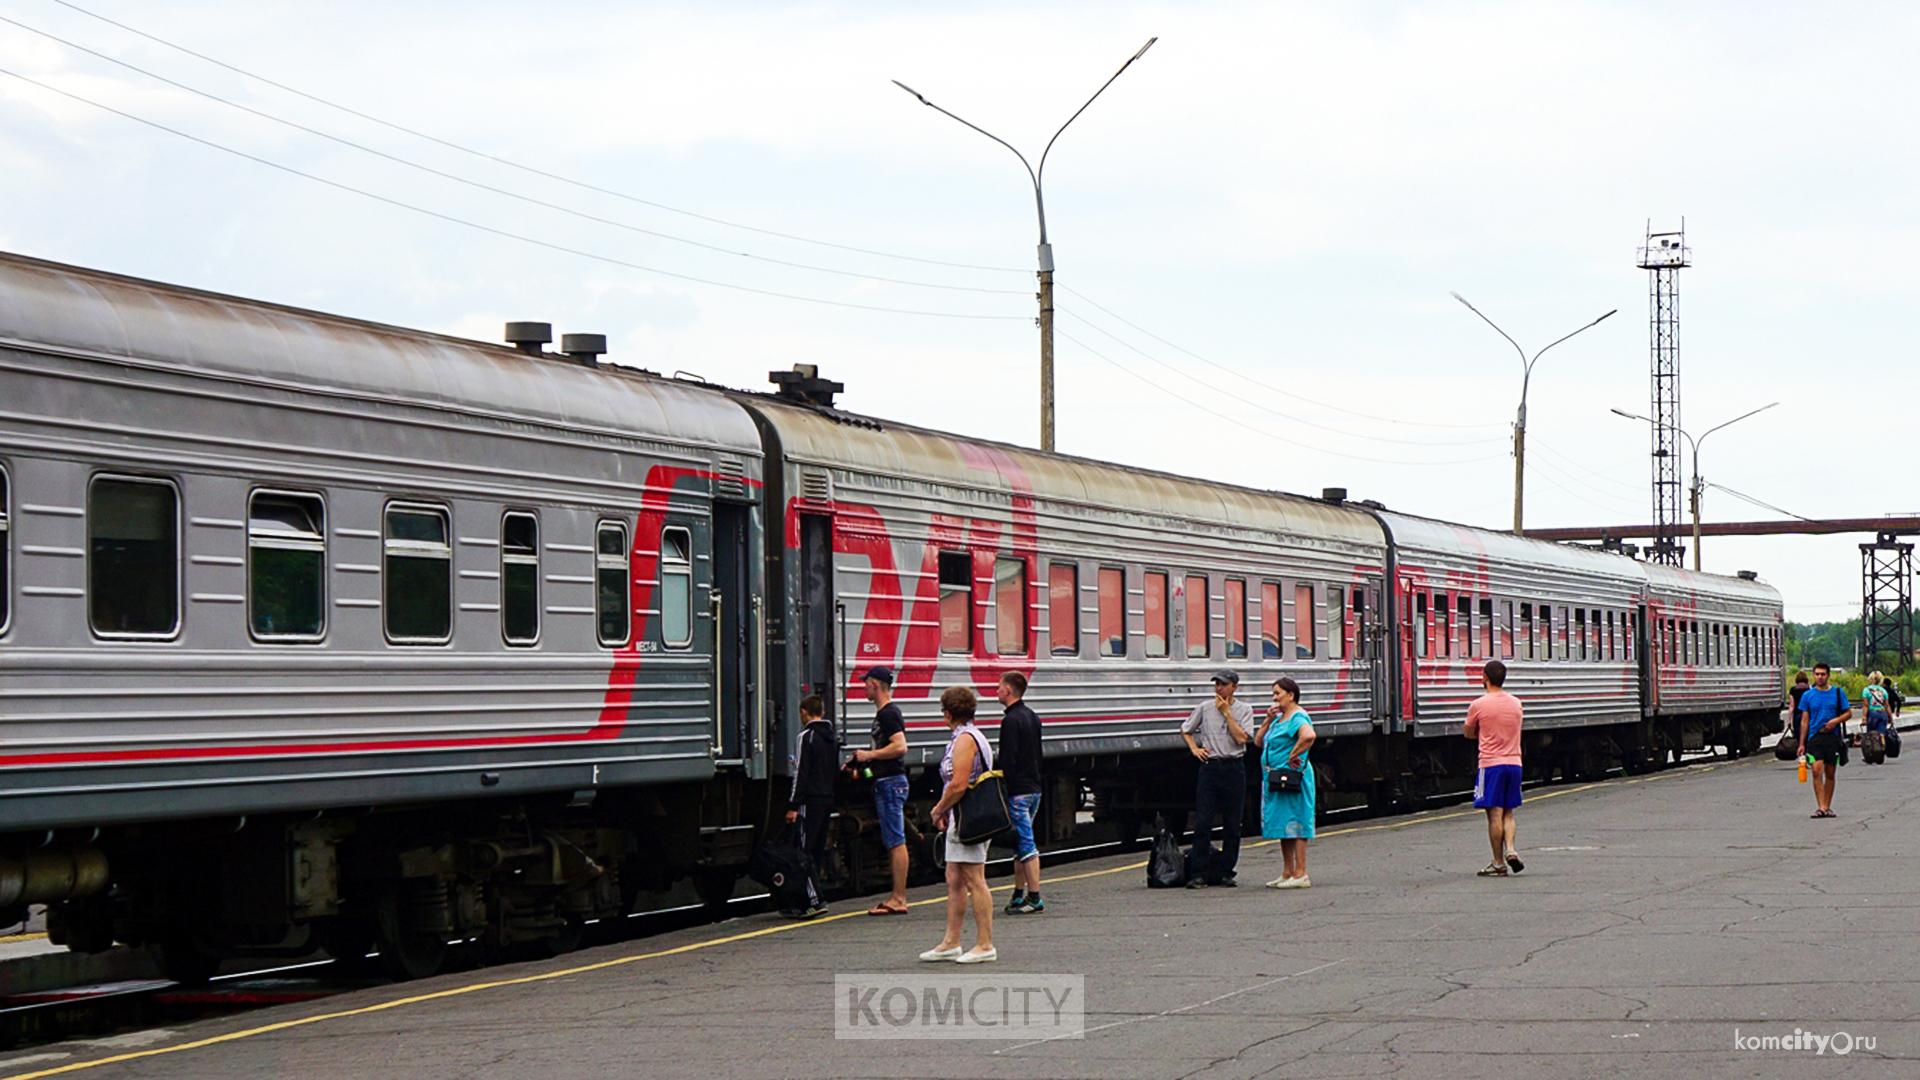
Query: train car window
{"x": 1113, "y": 611}
{"x": 1303, "y": 621}
{"x": 1236, "y": 600}
{"x": 1010, "y": 606}
{"x": 418, "y": 574}
{"x": 519, "y": 578}
{"x": 1526, "y": 630}
{"x": 1506, "y": 627}
{"x": 286, "y": 566}
{"x": 1420, "y": 625}
{"x": 1487, "y": 634}
{"x": 1597, "y": 630}
{"x": 1463, "y": 627}
{"x": 956, "y": 602}
{"x": 1613, "y": 637}
{"x": 1156, "y": 607}
{"x": 613, "y": 588}
{"x": 6, "y": 553}
{"x": 1360, "y": 636}
{"x": 1546, "y": 632}
{"x": 1199, "y": 618}
{"x": 1336, "y": 623}
{"x": 1442, "y": 627}
{"x": 1270, "y": 620}
{"x": 133, "y": 557}
{"x": 1580, "y": 633}
{"x": 1063, "y": 609}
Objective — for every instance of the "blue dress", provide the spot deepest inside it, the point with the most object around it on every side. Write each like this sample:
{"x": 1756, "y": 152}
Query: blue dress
{"x": 1286, "y": 816}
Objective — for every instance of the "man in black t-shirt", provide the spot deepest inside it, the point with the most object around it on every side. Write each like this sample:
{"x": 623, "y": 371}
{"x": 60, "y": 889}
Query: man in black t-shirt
{"x": 885, "y": 764}
{"x": 1019, "y": 763}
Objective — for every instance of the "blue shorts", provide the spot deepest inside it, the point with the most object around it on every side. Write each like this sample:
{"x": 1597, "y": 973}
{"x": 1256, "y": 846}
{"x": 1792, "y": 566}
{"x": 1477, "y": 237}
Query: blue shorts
{"x": 1497, "y": 788}
{"x": 1022, "y": 808}
{"x": 890, "y": 806}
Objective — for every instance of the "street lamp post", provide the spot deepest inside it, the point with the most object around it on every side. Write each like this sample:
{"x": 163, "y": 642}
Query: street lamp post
{"x": 1520, "y": 418}
{"x": 1045, "y": 270}
{"x": 1695, "y": 489}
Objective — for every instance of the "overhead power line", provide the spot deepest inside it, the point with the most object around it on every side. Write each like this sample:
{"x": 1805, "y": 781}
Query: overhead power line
{"x": 1289, "y": 417}
{"x": 1255, "y": 428}
{"x": 1266, "y": 385}
{"x": 493, "y": 189}
{"x": 508, "y": 234}
{"x": 530, "y": 169}
{"x": 1754, "y": 501}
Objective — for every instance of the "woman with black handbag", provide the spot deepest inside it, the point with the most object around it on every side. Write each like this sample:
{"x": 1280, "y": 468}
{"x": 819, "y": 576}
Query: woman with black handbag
{"x": 966, "y": 814}
{"x": 1287, "y": 800}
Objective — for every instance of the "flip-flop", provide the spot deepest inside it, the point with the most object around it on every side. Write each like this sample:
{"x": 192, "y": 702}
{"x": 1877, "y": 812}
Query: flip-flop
{"x": 882, "y": 909}
{"x": 1514, "y": 863}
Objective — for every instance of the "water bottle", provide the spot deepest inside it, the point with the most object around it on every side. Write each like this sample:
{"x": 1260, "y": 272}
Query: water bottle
{"x": 1803, "y": 767}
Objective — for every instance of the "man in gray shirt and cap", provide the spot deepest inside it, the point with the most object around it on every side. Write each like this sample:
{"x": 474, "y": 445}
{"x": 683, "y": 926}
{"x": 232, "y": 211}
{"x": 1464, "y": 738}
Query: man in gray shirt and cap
{"x": 1216, "y": 732}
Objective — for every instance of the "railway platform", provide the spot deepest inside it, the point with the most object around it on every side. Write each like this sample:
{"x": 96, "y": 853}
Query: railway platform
{"x": 1691, "y": 922}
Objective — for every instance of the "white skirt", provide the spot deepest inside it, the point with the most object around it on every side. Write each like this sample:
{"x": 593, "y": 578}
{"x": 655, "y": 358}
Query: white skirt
{"x": 958, "y": 852}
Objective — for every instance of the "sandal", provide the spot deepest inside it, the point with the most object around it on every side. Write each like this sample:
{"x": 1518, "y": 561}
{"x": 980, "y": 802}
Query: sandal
{"x": 882, "y": 909}
{"x": 1514, "y": 863}
{"x": 1493, "y": 870}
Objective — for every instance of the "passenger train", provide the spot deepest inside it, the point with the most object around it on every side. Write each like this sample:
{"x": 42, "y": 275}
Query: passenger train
{"x": 322, "y": 633}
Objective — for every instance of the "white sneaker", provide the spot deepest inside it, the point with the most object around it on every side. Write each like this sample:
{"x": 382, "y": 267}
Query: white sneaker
{"x": 977, "y": 956}
{"x": 1282, "y": 882}
{"x": 932, "y": 955}
{"x": 1303, "y": 882}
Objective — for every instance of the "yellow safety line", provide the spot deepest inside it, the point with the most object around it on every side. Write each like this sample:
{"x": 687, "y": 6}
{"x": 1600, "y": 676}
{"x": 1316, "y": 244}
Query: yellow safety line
{"x": 695, "y": 946}
{"x": 11, "y": 938}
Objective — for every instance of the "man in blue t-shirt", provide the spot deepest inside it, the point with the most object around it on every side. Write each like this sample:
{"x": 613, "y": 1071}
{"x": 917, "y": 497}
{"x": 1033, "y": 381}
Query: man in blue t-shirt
{"x": 1822, "y": 718}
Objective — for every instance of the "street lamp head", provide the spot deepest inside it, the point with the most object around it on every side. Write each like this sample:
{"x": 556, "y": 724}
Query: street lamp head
{"x": 1144, "y": 48}
{"x": 1623, "y": 412}
{"x": 922, "y": 99}
{"x": 1607, "y": 316}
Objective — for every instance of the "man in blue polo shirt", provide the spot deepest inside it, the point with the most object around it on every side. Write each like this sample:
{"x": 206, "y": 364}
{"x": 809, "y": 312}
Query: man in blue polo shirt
{"x": 1822, "y": 717}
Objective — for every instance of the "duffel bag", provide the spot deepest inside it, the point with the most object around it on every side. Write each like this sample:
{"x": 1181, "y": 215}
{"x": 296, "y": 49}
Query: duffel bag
{"x": 1893, "y": 743}
{"x": 1784, "y": 749}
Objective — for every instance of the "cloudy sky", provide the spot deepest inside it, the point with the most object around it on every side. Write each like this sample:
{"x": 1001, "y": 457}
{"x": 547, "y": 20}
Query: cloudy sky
{"x": 1256, "y": 228}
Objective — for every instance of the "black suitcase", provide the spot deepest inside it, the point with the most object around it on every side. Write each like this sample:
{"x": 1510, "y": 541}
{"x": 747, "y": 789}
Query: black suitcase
{"x": 1873, "y": 748}
{"x": 782, "y": 868}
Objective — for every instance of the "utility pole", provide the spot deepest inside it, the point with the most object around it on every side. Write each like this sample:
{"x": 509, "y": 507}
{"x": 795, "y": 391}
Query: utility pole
{"x": 1520, "y": 416}
{"x": 1045, "y": 271}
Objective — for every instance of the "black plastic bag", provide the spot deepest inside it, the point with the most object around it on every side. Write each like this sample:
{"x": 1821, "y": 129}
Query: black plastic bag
{"x": 1167, "y": 865}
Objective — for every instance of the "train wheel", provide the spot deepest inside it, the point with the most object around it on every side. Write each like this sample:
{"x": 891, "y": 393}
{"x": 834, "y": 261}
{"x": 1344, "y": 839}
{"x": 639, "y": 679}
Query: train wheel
{"x": 714, "y": 887}
{"x": 185, "y": 960}
{"x": 406, "y": 954}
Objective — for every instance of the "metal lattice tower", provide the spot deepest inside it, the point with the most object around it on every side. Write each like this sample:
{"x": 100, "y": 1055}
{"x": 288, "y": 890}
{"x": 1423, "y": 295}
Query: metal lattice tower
{"x": 1663, "y": 256}
{"x": 1886, "y": 601}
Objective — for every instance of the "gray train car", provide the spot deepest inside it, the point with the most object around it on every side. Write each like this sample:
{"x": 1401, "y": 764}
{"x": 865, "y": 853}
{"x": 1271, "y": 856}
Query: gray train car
{"x": 1715, "y": 655}
{"x": 265, "y": 561}
{"x": 1118, "y": 592}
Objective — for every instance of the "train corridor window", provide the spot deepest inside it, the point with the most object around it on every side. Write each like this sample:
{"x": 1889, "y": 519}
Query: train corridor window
{"x": 1199, "y": 618}
{"x": 1463, "y": 627}
{"x": 1236, "y": 600}
{"x": 1442, "y": 627}
{"x": 1598, "y": 632}
{"x": 133, "y": 557}
{"x": 418, "y": 575}
{"x": 1487, "y": 634}
{"x": 1303, "y": 621}
{"x": 1546, "y": 632}
{"x": 613, "y": 588}
{"x": 1613, "y": 637}
{"x": 1063, "y": 609}
{"x": 1526, "y": 630}
{"x": 1113, "y": 611}
{"x": 1359, "y": 624}
{"x": 286, "y": 566}
{"x": 6, "y": 553}
{"x": 1506, "y": 625}
{"x": 1010, "y": 606}
{"x": 1156, "y": 610}
{"x": 519, "y": 578}
{"x": 956, "y": 602}
{"x": 1336, "y": 622}
{"x": 1270, "y": 620}
{"x": 1420, "y": 625}
{"x": 1580, "y": 633}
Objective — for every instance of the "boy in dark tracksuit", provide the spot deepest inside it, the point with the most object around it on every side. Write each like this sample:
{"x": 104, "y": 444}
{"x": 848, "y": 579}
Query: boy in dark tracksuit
{"x": 810, "y": 803}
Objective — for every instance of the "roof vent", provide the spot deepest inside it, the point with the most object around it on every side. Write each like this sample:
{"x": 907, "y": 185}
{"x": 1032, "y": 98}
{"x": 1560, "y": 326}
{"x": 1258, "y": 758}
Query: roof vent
{"x": 804, "y": 384}
{"x": 528, "y": 337}
{"x": 1749, "y": 575}
{"x": 586, "y": 348}
{"x": 1336, "y": 496}
{"x": 1373, "y": 504}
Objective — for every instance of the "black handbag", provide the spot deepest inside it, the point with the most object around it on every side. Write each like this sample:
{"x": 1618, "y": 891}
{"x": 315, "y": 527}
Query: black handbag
{"x": 1285, "y": 780}
{"x": 982, "y": 812}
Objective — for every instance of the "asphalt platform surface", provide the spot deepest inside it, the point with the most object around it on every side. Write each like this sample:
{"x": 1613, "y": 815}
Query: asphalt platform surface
{"x": 1662, "y": 925}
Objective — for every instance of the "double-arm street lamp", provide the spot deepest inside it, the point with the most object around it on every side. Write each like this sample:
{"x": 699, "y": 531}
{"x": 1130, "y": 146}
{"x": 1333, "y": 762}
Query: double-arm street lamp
{"x": 1046, "y": 249}
{"x": 1694, "y": 490}
{"x": 1520, "y": 418}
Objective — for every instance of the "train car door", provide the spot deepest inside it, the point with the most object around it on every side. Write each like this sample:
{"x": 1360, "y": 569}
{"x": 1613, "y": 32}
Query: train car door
{"x": 733, "y": 609}
{"x": 819, "y": 618}
{"x": 1370, "y": 637}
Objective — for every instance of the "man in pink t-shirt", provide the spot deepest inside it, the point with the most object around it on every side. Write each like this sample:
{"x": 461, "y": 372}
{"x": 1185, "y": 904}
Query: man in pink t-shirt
{"x": 1494, "y": 719}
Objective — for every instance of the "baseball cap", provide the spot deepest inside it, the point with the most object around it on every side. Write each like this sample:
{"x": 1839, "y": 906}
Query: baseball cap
{"x": 884, "y": 674}
{"x": 1226, "y": 677}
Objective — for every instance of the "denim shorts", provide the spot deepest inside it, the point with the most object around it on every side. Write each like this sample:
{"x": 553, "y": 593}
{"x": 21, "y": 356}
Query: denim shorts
{"x": 1022, "y": 808}
{"x": 890, "y": 806}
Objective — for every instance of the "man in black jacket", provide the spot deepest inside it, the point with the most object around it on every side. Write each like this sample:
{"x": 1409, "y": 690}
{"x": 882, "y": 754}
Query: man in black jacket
{"x": 1019, "y": 763}
{"x": 810, "y": 802}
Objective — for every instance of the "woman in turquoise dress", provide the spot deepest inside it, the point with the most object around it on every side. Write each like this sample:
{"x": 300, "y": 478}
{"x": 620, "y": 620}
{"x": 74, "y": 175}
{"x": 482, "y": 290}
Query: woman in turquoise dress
{"x": 1287, "y": 817}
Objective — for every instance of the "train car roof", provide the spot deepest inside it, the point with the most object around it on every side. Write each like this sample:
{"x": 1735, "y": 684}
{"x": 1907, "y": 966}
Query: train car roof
{"x": 814, "y": 436}
{"x": 1413, "y": 532}
{"x": 1678, "y": 581}
{"x": 110, "y": 316}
